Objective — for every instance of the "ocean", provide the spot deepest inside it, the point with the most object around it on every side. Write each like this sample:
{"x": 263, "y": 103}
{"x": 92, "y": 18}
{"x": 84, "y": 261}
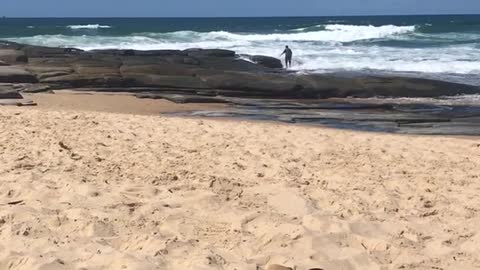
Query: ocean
{"x": 440, "y": 47}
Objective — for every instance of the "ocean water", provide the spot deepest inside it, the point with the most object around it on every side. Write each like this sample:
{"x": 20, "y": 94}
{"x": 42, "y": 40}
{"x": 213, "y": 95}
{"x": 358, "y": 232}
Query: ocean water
{"x": 441, "y": 47}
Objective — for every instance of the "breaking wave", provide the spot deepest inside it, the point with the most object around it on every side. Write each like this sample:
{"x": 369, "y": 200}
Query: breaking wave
{"x": 319, "y": 48}
{"x": 89, "y": 26}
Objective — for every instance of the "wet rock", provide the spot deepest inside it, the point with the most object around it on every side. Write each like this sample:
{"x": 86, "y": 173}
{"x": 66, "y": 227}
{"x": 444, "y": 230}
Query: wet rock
{"x": 9, "y": 95}
{"x": 161, "y": 53}
{"x": 139, "y": 53}
{"x": 209, "y": 53}
{"x": 220, "y": 64}
{"x": 213, "y": 71}
{"x": 163, "y": 81}
{"x": 269, "y": 84}
{"x": 114, "y": 52}
{"x": 331, "y": 85}
{"x": 38, "y": 51}
{"x": 190, "y": 61}
{"x": 129, "y": 70}
{"x": 88, "y": 80}
{"x": 266, "y": 61}
{"x": 10, "y": 45}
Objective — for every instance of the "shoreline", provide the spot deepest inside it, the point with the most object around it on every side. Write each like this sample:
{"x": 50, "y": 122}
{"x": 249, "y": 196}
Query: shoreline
{"x": 118, "y": 103}
{"x": 111, "y": 102}
{"x": 258, "y": 88}
{"x": 126, "y": 103}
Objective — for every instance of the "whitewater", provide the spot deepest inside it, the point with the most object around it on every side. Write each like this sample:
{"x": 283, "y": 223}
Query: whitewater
{"x": 407, "y": 49}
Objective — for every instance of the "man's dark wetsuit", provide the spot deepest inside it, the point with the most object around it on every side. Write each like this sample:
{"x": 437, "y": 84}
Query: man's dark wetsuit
{"x": 288, "y": 57}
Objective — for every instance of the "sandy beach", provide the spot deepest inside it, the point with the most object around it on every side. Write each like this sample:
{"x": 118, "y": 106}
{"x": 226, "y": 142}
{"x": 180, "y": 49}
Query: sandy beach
{"x": 101, "y": 189}
{"x": 110, "y": 102}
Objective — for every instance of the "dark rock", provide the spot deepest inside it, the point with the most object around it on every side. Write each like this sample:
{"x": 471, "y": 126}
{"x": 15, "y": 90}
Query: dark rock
{"x": 143, "y": 61}
{"x": 140, "y": 53}
{"x": 49, "y": 74}
{"x": 43, "y": 72}
{"x": 108, "y": 63}
{"x": 219, "y": 72}
{"x": 209, "y": 53}
{"x": 12, "y": 74}
{"x": 157, "y": 69}
{"x": 163, "y": 81}
{"x": 161, "y": 53}
{"x": 325, "y": 86}
{"x": 219, "y": 64}
{"x": 37, "y": 51}
{"x": 88, "y": 80}
{"x": 114, "y": 52}
{"x": 269, "y": 84}
{"x": 97, "y": 70}
{"x": 266, "y": 61}
{"x": 36, "y": 88}
{"x": 8, "y": 93}
{"x": 48, "y": 62}
{"x": 190, "y": 61}
{"x": 10, "y": 45}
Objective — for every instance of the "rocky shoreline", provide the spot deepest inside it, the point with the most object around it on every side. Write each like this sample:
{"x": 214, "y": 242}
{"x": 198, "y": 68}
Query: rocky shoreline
{"x": 202, "y": 72}
{"x": 222, "y": 76}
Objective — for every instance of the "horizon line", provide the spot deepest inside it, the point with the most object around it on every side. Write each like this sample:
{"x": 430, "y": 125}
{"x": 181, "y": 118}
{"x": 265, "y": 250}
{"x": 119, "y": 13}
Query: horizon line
{"x": 239, "y": 17}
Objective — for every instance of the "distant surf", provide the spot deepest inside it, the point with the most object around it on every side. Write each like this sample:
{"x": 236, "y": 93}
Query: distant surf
{"x": 89, "y": 26}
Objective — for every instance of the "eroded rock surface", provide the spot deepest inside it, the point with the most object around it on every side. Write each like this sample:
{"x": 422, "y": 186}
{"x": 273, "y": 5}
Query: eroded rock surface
{"x": 210, "y": 72}
{"x": 10, "y": 94}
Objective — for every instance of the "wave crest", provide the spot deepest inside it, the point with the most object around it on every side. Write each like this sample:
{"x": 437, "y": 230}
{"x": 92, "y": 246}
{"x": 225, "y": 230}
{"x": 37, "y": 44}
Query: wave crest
{"x": 88, "y": 26}
{"x": 347, "y": 33}
{"x": 329, "y": 47}
{"x": 383, "y": 30}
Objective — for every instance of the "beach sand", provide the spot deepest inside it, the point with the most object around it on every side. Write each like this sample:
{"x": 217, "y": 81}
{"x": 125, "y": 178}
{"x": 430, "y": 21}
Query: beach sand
{"x": 111, "y": 102}
{"x": 84, "y": 189}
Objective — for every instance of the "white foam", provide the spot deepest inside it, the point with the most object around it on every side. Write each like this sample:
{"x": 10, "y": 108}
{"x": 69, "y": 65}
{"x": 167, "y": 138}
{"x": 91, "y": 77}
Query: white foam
{"x": 313, "y": 27}
{"x": 88, "y": 26}
{"x": 332, "y": 33}
{"x": 319, "y": 51}
{"x": 361, "y": 32}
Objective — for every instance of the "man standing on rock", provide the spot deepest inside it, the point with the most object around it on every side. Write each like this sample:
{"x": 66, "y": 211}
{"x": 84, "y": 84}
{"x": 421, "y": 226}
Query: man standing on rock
{"x": 288, "y": 57}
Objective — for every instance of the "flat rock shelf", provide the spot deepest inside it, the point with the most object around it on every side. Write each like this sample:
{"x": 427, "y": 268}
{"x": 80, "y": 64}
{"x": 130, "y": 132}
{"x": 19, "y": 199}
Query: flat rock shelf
{"x": 254, "y": 86}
